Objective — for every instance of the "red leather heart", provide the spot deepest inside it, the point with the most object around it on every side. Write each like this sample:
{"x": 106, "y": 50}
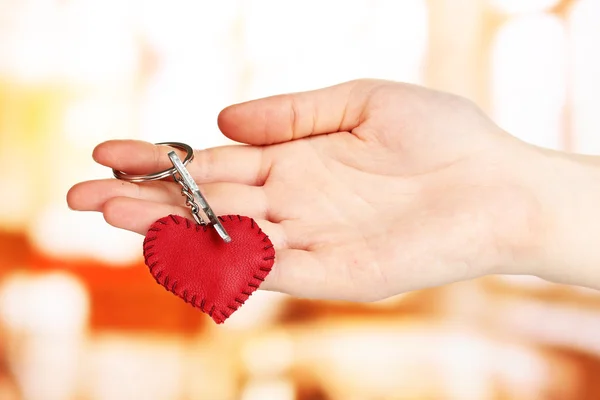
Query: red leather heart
{"x": 193, "y": 262}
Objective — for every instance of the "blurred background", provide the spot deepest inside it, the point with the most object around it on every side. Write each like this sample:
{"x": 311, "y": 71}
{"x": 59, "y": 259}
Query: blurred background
{"x": 82, "y": 319}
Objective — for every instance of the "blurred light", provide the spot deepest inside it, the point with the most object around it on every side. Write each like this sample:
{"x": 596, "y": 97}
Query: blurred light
{"x": 268, "y": 354}
{"x": 465, "y": 361}
{"x": 585, "y": 31}
{"x": 9, "y": 390}
{"x": 98, "y": 42}
{"x": 195, "y": 74}
{"x": 211, "y": 368}
{"x": 396, "y": 41}
{"x": 260, "y": 309}
{"x": 46, "y": 316}
{"x": 98, "y": 117}
{"x": 124, "y": 368}
{"x": 529, "y": 84}
{"x": 523, "y": 6}
{"x": 52, "y": 304}
{"x": 84, "y": 41}
{"x": 271, "y": 390}
{"x": 60, "y": 232}
{"x": 386, "y": 40}
{"x": 524, "y": 370}
{"x": 379, "y": 360}
{"x": 17, "y": 193}
{"x": 549, "y": 324}
{"x": 30, "y": 45}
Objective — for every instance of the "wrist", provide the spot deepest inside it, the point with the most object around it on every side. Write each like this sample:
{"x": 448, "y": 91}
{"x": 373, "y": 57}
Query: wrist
{"x": 566, "y": 234}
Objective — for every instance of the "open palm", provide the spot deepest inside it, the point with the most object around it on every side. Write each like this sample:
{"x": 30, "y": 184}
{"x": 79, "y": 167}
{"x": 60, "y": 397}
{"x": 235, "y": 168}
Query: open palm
{"x": 367, "y": 189}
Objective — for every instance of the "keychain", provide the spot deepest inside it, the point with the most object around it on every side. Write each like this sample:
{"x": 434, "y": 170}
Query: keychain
{"x": 213, "y": 264}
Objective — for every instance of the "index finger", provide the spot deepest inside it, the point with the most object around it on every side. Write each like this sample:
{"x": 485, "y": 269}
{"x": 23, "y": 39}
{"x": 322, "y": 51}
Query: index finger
{"x": 234, "y": 163}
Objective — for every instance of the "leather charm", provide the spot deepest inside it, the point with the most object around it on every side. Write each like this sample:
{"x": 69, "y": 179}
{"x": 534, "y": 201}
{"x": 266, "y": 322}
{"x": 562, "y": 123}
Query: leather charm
{"x": 194, "y": 263}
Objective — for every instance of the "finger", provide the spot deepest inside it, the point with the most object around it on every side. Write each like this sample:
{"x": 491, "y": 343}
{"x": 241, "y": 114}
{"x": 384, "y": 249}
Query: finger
{"x": 287, "y": 117}
{"x": 138, "y": 215}
{"x": 297, "y": 273}
{"x": 91, "y": 195}
{"x": 235, "y": 163}
{"x": 224, "y": 198}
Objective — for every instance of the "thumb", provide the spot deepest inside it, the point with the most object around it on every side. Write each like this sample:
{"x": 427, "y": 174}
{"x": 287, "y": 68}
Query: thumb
{"x": 292, "y": 116}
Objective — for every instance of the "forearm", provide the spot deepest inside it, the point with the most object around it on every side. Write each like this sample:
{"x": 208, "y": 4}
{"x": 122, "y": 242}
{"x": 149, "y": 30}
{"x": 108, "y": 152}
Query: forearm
{"x": 568, "y": 247}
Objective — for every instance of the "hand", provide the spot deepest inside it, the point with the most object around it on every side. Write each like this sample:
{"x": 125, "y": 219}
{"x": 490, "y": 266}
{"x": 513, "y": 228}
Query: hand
{"x": 368, "y": 189}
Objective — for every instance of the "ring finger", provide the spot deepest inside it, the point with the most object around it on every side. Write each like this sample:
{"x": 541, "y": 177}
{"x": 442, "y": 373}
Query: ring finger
{"x": 138, "y": 215}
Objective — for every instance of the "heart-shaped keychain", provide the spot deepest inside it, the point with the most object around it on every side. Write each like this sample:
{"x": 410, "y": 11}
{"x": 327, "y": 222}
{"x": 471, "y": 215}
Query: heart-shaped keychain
{"x": 213, "y": 266}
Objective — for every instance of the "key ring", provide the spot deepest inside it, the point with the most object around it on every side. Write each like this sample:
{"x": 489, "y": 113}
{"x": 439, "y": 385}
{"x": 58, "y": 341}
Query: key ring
{"x": 189, "y": 187}
{"x": 189, "y": 156}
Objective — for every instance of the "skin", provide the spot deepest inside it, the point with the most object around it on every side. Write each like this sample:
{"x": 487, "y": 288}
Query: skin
{"x": 371, "y": 188}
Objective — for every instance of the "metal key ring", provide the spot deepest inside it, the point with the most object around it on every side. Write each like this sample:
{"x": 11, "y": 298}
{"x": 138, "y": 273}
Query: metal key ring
{"x": 161, "y": 174}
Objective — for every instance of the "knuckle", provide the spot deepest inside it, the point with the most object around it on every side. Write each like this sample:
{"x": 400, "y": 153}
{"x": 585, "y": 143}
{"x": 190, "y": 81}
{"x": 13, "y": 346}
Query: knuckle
{"x": 204, "y": 160}
{"x": 110, "y": 210}
{"x": 295, "y": 118}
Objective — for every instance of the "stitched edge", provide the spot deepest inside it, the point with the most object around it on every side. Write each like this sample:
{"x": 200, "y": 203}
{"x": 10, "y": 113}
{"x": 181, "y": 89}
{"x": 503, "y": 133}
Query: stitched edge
{"x": 253, "y": 284}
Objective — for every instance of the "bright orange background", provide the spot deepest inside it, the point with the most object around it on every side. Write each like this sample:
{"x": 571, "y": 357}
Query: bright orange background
{"x": 81, "y": 318}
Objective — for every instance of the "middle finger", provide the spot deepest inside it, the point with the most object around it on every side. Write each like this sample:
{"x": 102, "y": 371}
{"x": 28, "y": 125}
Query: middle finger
{"x": 223, "y": 197}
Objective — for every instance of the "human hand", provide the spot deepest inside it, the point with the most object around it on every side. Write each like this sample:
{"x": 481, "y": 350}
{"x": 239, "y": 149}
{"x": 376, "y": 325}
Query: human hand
{"x": 367, "y": 189}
